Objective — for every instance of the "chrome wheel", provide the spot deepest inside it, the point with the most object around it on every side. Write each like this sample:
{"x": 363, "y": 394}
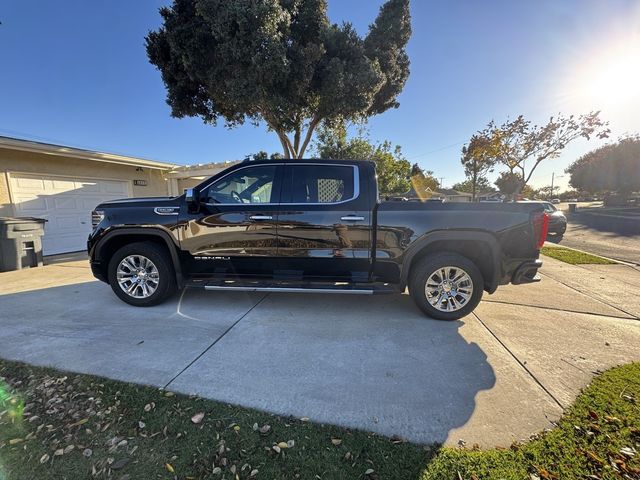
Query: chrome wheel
{"x": 448, "y": 289}
{"x": 138, "y": 276}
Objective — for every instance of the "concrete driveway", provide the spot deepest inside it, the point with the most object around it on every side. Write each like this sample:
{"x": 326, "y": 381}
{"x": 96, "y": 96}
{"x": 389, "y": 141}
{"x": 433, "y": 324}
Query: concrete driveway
{"x": 373, "y": 363}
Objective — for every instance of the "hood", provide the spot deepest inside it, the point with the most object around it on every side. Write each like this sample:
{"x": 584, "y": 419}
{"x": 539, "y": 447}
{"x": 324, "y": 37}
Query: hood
{"x": 140, "y": 201}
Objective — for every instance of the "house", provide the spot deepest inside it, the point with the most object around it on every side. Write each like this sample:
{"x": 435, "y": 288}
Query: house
{"x": 445, "y": 194}
{"x": 491, "y": 197}
{"x": 63, "y": 184}
{"x": 451, "y": 195}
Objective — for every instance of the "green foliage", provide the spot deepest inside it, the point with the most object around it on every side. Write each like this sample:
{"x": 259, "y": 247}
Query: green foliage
{"x": 392, "y": 168}
{"x": 482, "y": 185}
{"x": 530, "y": 192}
{"x": 509, "y": 182}
{"x": 278, "y": 61}
{"x": 478, "y": 160}
{"x": 262, "y": 155}
{"x": 586, "y": 444}
{"x": 521, "y": 146}
{"x": 613, "y": 167}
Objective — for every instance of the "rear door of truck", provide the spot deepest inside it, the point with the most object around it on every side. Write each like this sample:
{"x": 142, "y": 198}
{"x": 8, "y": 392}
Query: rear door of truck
{"x": 324, "y": 226}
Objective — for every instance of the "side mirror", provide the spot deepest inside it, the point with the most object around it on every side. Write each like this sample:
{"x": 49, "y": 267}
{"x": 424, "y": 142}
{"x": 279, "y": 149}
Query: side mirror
{"x": 190, "y": 196}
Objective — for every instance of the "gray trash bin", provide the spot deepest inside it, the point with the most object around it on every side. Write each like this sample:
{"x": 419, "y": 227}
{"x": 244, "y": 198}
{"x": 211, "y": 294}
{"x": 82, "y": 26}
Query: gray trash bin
{"x": 572, "y": 207}
{"x": 20, "y": 243}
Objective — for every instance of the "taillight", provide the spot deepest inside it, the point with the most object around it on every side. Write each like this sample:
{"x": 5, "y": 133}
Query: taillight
{"x": 540, "y": 221}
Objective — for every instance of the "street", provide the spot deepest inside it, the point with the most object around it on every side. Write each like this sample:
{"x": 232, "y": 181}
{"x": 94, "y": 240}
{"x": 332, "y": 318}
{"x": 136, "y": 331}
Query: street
{"x": 612, "y": 244}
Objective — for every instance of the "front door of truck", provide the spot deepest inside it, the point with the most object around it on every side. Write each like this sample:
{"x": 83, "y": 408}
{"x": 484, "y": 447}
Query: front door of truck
{"x": 324, "y": 227}
{"x": 234, "y": 231}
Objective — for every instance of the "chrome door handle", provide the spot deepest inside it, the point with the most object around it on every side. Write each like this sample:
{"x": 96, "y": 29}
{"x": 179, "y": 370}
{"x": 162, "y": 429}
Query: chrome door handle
{"x": 261, "y": 217}
{"x": 352, "y": 218}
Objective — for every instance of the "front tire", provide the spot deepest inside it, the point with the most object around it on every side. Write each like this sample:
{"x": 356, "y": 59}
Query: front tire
{"x": 141, "y": 274}
{"x": 446, "y": 286}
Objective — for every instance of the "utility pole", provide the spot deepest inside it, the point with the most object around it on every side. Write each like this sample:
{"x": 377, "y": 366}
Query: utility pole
{"x": 441, "y": 180}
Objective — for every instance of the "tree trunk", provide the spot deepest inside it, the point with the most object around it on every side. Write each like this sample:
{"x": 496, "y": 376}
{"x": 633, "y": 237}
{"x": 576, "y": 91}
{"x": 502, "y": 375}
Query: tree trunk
{"x": 294, "y": 149}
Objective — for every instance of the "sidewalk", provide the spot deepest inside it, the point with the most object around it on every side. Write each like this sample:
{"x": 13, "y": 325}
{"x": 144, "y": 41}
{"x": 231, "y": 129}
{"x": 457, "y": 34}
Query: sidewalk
{"x": 614, "y": 285}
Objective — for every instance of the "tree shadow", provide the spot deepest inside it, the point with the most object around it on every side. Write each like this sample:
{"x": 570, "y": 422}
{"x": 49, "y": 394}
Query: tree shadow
{"x": 606, "y": 223}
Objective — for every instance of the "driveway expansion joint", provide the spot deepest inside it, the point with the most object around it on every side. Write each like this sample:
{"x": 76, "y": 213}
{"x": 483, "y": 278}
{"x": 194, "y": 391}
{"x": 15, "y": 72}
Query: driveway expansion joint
{"x": 215, "y": 341}
{"x": 634, "y": 316}
{"x": 524, "y": 367}
{"x": 555, "y": 309}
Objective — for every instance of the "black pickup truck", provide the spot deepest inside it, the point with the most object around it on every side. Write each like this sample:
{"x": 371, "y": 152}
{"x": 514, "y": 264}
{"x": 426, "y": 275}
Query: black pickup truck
{"x": 313, "y": 226}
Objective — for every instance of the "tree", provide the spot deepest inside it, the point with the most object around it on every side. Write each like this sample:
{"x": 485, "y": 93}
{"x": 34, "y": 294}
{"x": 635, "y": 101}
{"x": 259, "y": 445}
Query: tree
{"x": 262, "y": 155}
{"x": 482, "y": 185}
{"x": 522, "y": 146}
{"x": 478, "y": 160}
{"x": 508, "y": 183}
{"x": 278, "y": 61}
{"x": 613, "y": 167}
{"x": 416, "y": 170}
{"x": 547, "y": 192}
{"x": 392, "y": 168}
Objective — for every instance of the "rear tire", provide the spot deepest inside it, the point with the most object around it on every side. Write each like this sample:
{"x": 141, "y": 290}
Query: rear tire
{"x": 141, "y": 274}
{"x": 454, "y": 288}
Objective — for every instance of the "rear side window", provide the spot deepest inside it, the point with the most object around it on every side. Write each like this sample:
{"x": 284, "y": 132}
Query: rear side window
{"x": 322, "y": 183}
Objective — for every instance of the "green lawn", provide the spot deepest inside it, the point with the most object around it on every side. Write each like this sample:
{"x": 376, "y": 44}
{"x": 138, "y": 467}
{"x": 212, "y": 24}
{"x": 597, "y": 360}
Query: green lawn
{"x": 574, "y": 257}
{"x": 56, "y": 425}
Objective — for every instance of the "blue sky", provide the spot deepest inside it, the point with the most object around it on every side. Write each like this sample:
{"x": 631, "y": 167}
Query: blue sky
{"x": 76, "y": 73}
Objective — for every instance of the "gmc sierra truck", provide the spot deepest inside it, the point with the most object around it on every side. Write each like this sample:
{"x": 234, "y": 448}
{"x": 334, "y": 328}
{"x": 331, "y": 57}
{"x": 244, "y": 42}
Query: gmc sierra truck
{"x": 313, "y": 226}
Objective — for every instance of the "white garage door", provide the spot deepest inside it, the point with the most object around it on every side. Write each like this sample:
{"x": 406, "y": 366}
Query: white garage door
{"x": 66, "y": 202}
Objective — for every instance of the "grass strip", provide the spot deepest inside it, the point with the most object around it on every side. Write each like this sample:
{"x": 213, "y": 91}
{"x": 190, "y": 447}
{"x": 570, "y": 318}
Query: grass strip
{"x": 57, "y": 425}
{"x": 574, "y": 257}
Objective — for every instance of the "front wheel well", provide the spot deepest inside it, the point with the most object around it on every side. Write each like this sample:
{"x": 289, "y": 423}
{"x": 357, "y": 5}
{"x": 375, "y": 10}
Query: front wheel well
{"x": 109, "y": 246}
{"x": 478, "y": 252}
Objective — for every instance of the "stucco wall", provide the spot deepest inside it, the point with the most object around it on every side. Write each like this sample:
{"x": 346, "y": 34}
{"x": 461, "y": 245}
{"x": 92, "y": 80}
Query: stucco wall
{"x": 32, "y": 162}
{"x": 187, "y": 183}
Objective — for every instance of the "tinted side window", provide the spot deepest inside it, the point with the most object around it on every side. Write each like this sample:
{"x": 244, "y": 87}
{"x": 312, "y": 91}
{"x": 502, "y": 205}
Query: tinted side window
{"x": 247, "y": 185}
{"x": 321, "y": 183}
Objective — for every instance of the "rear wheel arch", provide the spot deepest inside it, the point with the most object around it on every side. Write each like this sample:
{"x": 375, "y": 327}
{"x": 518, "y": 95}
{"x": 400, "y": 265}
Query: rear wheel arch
{"x": 116, "y": 239}
{"x": 481, "y": 248}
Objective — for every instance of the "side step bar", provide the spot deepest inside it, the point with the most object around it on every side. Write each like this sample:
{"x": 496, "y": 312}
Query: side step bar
{"x": 248, "y": 288}
{"x": 291, "y": 286}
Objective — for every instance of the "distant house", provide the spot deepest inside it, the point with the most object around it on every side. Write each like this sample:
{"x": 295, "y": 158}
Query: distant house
{"x": 451, "y": 195}
{"x": 491, "y": 197}
{"x": 446, "y": 194}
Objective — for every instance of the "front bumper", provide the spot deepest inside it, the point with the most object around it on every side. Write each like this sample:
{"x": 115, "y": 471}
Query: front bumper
{"x": 527, "y": 272}
{"x": 98, "y": 271}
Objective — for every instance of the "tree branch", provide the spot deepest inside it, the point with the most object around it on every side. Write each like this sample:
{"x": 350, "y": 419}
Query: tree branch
{"x": 312, "y": 125}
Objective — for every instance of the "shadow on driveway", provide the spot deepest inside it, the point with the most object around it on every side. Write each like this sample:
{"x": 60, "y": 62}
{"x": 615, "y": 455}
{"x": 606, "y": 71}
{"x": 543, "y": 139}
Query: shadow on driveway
{"x": 374, "y": 363}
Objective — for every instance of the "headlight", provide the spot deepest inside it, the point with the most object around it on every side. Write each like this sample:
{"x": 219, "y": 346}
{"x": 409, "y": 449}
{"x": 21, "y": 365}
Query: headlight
{"x": 96, "y": 217}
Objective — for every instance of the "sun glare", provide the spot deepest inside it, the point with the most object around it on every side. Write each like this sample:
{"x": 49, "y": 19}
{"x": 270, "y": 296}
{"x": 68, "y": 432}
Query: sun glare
{"x": 613, "y": 79}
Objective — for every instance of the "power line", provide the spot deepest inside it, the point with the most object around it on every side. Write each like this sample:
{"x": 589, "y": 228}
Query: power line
{"x": 438, "y": 150}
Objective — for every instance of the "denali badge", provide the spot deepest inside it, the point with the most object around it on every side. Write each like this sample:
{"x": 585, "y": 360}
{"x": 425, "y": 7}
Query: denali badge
{"x": 167, "y": 210}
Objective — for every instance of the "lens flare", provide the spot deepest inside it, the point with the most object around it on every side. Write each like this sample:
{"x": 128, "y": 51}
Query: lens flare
{"x": 11, "y": 405}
